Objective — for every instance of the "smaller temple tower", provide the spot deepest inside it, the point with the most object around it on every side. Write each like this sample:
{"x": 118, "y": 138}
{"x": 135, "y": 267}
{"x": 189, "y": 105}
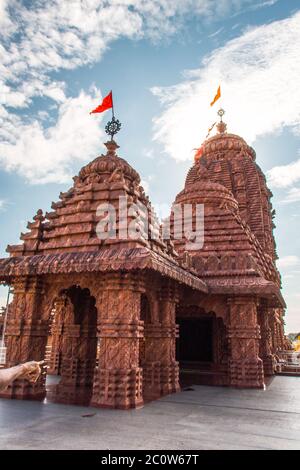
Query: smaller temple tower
{"x": 237, "y": 259}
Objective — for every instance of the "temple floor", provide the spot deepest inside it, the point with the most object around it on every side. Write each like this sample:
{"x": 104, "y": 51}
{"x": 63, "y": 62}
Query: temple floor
{"x": 202, "y": 417}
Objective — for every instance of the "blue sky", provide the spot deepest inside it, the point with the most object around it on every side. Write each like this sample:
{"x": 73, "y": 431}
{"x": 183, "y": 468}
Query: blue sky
{"x": 163, "y": 60}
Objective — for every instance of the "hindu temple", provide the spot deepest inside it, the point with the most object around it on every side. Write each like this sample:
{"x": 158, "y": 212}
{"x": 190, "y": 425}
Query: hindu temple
{"x": 125, "y": 320}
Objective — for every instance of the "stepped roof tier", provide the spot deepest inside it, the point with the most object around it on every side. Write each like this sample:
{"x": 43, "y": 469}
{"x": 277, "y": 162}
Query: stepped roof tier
{"x": 230, "y": 161}
{"x": 65, "y": 240}
{"x": 238, "y": 251}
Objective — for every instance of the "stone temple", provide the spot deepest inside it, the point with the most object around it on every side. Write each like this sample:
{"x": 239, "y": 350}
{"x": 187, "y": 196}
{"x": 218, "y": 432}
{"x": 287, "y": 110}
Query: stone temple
{"x": 128, "y": 320}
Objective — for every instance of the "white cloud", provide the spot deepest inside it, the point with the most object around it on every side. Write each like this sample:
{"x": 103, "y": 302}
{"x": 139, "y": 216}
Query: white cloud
{"x": 146, "y": 181}
{"x": 284, "y": 175}
{"x": 289, "y": 261}
{"x": 293, "y": 195}
{"x": 2, "y": 204}
{"x": 267, "y": 3}
{"x": 259, "y": 74}
{"x": 43, "y": 155}
{"x": 216, "y": 32}
{"x": 6, "y": 23}
{"x": 54, "y": 35}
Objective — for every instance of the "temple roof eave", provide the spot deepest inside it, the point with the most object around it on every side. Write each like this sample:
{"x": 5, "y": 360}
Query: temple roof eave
{"x": 104, "y": 260}
{"x": 247, "y": 286}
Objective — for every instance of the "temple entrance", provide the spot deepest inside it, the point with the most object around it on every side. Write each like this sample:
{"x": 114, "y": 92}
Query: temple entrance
{"x": 195, "y": 350}
{"x": 72, "y": 347}
{"x": 195, "y": 343}
{"x": 198, "y": 348}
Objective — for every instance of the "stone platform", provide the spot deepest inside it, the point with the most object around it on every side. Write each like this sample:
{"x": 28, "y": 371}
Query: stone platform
{"x": 202, "y": 417}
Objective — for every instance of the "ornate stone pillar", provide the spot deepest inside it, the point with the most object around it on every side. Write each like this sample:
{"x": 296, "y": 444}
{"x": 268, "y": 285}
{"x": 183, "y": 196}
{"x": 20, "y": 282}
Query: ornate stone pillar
{"x": 87, "y": 347}
{"x": 276, "y": 328}
{"x": 221, "y": 346}
{"x": 149, "y": 351}
{"x": 281, "y": 328}
{"x": 265, "y": 348}
{"x": 169, "y": 367}
{"x": 67, "y": 390}
{"x": 272, "y": 325}
{"x": 118, "y": 376}
{"x": 245, "y": 366}
{"x": 54, "y": 366}
{"x": 26, "y": 335}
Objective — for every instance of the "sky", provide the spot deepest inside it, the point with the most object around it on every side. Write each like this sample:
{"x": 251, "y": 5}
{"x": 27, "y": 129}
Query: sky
{"x": 164, "y": 61}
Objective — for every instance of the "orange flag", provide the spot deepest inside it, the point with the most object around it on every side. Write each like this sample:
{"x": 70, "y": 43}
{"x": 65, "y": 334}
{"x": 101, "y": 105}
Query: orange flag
{"x": 210, "y": 129}
{"x": 107, "y": 103}
{"x": 198, "y": 153}
{"x": 218, "y": 95}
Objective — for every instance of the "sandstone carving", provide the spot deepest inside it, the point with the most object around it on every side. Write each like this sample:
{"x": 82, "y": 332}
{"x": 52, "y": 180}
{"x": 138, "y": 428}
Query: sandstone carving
{"x": 123, "y": 321}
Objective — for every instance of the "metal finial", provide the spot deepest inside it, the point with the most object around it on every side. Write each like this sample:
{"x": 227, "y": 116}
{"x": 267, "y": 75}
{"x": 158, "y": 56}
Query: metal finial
{"x": 221, "y": 126}
{"x": 113, "y": 127}
{"x": 221, "y": 113}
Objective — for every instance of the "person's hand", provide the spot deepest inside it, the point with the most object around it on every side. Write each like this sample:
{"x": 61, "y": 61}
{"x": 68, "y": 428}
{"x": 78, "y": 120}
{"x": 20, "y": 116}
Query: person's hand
{"x": 31, "y": 370}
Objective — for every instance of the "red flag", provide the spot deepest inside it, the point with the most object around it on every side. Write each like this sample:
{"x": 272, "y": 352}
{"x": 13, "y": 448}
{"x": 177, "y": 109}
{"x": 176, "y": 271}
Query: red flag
{"x": 106, "y": 104}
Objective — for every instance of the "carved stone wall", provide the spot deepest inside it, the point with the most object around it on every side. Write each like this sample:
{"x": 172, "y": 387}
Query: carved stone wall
{"x": 276, "y": 324}
{"x": 265, "y": 344}
{"x": 26, "y": 335}
{"x": 245, "y": 365}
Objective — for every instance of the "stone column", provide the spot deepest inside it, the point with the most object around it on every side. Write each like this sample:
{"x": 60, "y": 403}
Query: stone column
{"x": 26, "y": 336}
{"x": 150, "y": 353}
{"x": 265, "y": 350}
{"x": 67, "y": 390}
{"x": 87, "y": 347}
{"x": 281, "y": 329}
{"x": 152, "y": 367}
{"x": 169, "y": 367}
{"x": 275, "y": 325}
{"x": 272, "y": 325}
{"x": 118, "y": 377}
{"x": 245, "y": 366}
{"x": 54, "y": 366}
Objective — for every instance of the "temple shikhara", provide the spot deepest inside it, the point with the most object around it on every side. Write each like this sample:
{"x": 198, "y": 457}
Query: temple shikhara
{"x": 128, "y": 320}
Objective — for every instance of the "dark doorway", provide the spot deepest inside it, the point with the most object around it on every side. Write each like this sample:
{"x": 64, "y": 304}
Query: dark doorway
{"x": 195, "y": 343}
{"x": 72, "y": 349}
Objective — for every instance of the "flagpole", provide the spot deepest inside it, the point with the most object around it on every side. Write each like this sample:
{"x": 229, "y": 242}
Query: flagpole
{"x": 113, "y": 126}
{"x": 112, "y": 100}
